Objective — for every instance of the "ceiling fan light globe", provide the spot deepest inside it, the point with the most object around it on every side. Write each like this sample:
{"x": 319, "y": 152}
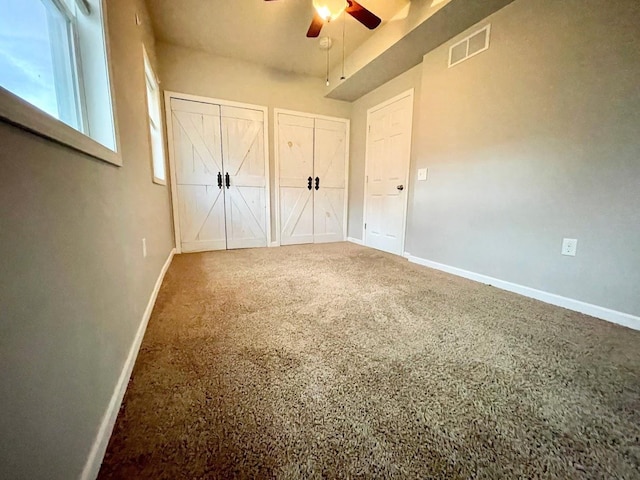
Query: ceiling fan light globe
{"x": 329, "y": 9}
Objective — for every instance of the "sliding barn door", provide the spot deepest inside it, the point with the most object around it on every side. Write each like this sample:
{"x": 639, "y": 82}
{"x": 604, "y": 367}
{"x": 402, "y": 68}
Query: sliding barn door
{"x": 295, "y": 155}
{"x": 244, "y": 163}
{"x": 330, "y": 153}
{"x": 198, "y": 155}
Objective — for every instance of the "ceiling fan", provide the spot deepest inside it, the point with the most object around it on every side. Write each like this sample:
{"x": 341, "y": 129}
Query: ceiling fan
{"x": 327, "y": 10}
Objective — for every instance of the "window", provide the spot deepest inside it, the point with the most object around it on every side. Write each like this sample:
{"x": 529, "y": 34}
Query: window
{"x": 155, "y": 122}
{"x": 53, "y": 57}
{"x": 36, "y": 49}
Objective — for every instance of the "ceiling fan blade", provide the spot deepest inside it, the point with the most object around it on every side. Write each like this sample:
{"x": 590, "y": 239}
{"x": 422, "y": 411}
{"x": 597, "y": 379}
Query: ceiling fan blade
{"x": 316, "y": 26}
{"x": 363, "y": 15}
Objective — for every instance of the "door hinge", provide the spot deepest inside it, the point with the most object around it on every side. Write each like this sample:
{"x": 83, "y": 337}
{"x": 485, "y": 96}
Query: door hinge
{"x": 365, "y": 226}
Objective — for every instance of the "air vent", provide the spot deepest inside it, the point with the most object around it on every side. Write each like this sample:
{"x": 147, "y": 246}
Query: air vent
{"x": 468, "y": 47}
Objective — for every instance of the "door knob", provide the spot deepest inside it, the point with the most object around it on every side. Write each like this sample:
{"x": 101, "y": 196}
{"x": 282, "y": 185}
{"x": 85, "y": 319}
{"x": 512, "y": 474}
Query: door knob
{"x": 309, "y": 182}
{"x": 317, "y": 183}
{"x": 226, "y": 180}
{"x": 400, "y": 187}
{"x": 219, "y": 180}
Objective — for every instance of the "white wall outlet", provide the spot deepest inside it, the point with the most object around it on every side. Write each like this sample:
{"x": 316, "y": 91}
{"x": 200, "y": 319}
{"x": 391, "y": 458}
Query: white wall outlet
{"x": 144, "y": 248}
{"x": 422, "y": 174}
{"x": 569, "y": 246}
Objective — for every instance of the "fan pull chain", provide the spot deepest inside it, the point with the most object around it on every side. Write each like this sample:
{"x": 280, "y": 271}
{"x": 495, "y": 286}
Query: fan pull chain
{"x": 344, "y": 23}
{"x": 327, "y": 67}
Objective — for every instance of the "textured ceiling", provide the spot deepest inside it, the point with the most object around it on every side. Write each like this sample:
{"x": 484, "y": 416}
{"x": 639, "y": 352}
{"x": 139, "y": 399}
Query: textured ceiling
{"x": 268, "y": 33}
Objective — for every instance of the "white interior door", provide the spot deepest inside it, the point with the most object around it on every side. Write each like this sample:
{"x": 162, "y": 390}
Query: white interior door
{"x": 330, "y": 151}
{"x": 198, "y": 162}
{"x": 244, "y": 163}
{"x": 295, "y": 156}
{"x": 388, "y": 156}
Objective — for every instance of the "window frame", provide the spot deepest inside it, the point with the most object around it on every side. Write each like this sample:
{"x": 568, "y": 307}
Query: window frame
{"x": 20, "y": 113}
{"x": 151, "y": 80}
{"x": 68, "y": 85}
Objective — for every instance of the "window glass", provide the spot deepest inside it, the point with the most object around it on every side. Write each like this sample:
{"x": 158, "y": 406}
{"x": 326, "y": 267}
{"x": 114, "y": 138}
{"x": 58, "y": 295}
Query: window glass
{"x": 26, "y": 64}
{"x": 36, "y": 57}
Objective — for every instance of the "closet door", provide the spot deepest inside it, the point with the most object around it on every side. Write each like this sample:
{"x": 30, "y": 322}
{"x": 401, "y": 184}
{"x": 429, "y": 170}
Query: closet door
{"x": 330, "y": 152}
{"x": 295, "y": 156}
{"x": 198, "y": 161}
{"x": 245, "y": 177}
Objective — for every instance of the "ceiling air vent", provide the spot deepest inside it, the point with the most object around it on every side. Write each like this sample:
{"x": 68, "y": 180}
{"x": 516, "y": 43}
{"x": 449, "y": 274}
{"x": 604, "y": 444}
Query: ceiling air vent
{"x": 468, "y": 47}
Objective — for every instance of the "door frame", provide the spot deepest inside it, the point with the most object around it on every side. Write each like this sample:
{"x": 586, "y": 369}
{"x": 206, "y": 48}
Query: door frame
{"x": 168, "y": 95}
{"x": 408, "y": 93}
{"x": 276, "y": 169}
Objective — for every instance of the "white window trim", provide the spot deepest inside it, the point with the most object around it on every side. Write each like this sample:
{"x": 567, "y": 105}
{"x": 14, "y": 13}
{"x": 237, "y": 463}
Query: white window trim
{"x": 148, "y": 69}
{"x": 18, "y": 112}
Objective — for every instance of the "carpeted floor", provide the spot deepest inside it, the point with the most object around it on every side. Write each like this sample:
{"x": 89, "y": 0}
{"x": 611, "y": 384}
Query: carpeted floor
{"x": 337, "y": 361}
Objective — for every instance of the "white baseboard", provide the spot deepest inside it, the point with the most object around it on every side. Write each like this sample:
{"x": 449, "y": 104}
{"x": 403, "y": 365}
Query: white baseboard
{"x": 603, "y": 313}
{"x": 99, "y": 447}
{"x": 357, "y": 241}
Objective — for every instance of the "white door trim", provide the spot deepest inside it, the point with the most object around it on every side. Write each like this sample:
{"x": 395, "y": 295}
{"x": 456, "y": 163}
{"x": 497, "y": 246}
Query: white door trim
{"x": 347, "y": 122}
{"x": 409, "y": 93}
{"x": 168, "y": 95}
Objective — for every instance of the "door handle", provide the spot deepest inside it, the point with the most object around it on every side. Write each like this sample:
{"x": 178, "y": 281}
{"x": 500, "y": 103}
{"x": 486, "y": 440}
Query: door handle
{"x": 226, "y": 179}
{"x": 317, "y": 183}
{"x": 309, "y": 181}
{"x": 219, "y": 180}
{"x": 400, "y": 187}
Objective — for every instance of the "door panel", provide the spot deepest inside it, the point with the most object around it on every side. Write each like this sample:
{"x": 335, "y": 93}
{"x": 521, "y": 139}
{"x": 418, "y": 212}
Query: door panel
{"x": 196, "y": 138}
{"x": 243, "y": 153}
{"x": 329, "y": 167}
{"x": 199, "y": 162}
{"x": 201, "y": 218}
{"x": 328, "y": 215}
{"x": 295, "y": 154}
{"x": 296, "y": 214}
{"x": 388, "y": 155}
{"x": 245, "y": 217}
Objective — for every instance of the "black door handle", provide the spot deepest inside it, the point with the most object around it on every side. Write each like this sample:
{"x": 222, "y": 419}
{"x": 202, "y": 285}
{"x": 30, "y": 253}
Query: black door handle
{"x": 400, "y": 187}
{"x": 219, "y": 180}
{"x": 226, "y": 179}
{"x": 309, "y": 181}
{"x": 317, "y": 183}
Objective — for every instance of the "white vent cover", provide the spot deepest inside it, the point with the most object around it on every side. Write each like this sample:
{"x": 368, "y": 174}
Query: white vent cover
{"x": 468, "y": 47}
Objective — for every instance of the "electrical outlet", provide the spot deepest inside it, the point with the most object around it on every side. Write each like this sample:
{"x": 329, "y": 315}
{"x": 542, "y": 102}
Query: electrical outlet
{"x": 569, "y": 246}
{"x": 144, "y": 248}
{"x": 422, "y": 174}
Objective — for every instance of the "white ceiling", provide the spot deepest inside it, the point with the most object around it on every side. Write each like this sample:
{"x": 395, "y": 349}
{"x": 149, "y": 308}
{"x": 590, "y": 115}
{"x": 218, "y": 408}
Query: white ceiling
{"x": 269, "y": 33}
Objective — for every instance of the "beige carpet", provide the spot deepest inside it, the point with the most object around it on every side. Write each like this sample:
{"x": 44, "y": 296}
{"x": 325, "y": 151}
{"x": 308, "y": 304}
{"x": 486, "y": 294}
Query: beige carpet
{"x": 338, "y": 361}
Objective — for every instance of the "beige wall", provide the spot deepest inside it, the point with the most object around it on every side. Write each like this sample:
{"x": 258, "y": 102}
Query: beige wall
{"x": 199, "y": 73}
{"x": 74, "y": 285}
{"x": 529, "y": 142}
{"x": 534, "y": 140}
{"x": 407, "y": 81}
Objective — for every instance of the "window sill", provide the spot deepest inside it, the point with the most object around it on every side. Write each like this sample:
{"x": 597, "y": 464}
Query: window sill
{"x": 16, "y": 111}
{"x": 159, "y": 181}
